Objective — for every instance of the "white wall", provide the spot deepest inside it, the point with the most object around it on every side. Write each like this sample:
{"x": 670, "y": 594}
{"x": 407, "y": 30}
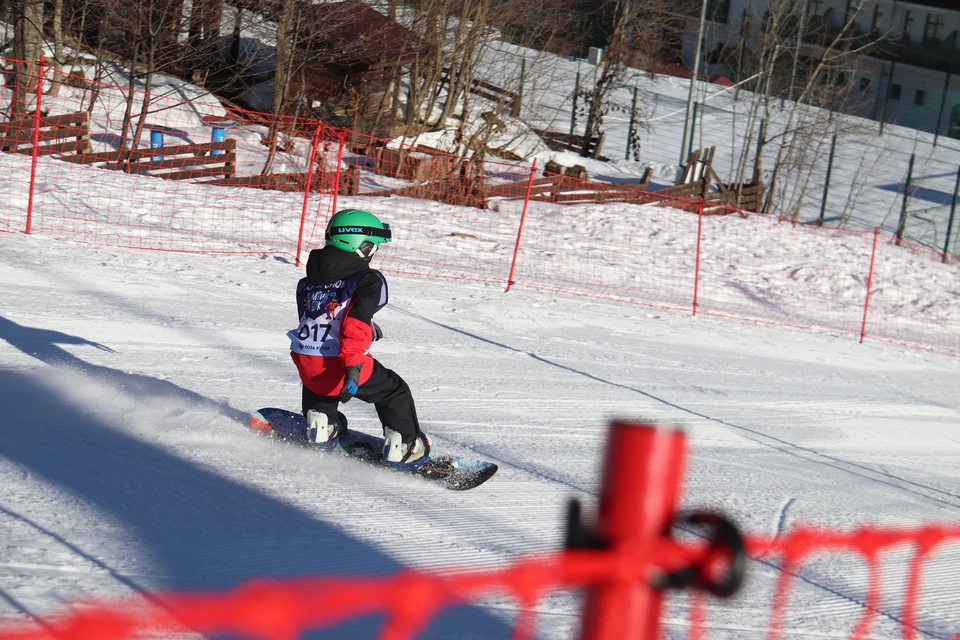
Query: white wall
{"x": 902, "y": 110}
{"x": 906, "y": 112}
{"x": 892, "y": 15}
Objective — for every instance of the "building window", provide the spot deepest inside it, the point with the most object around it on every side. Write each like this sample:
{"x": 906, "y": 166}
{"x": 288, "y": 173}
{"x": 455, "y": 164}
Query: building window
{"x": 877, "y": 14}
{"x": 921, "y": 97}
{"x": 851, "y": 11}
{"x": 933, "y": 28}
{"x": 907, "y": 26}
{"x": 895, "y": 91}
{"x": 864, "y": 84}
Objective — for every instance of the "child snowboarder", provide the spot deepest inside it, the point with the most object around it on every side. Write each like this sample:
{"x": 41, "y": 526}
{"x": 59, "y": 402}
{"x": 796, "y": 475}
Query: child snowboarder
{"x": 336, "y": 302}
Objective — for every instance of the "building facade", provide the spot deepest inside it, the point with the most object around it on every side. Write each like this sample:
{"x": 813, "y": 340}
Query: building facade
{"x": 911, "y": 76}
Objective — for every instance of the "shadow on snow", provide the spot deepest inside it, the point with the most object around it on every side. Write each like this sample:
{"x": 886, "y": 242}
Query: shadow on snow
{"x": 201, "y": 530}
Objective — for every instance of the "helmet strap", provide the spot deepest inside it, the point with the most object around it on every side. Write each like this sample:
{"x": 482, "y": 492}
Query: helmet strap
{"x": 367, "y": 249}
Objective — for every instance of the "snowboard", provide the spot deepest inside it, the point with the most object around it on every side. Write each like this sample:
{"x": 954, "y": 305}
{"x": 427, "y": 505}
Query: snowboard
{"x": 448, "y": 471}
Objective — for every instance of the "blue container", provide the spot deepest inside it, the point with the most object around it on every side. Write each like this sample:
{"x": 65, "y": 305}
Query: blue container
{"x": 156, "y": 140}
{"x": 216, "y": 136}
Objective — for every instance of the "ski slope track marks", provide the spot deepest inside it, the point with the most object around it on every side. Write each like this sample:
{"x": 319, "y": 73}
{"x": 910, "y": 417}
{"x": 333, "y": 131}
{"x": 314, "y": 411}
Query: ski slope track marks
{"x": 126, "y": 377}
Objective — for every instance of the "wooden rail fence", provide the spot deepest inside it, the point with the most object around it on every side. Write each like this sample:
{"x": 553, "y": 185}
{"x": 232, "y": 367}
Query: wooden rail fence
{"x": 438, "y": 176}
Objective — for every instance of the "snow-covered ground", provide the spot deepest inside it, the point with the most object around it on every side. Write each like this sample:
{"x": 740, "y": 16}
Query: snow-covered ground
{"x": 865, "y": 190}
{"x": 125, "y": 466}
{"x": 127, "y": 377}
{"x": 869, "y": 171}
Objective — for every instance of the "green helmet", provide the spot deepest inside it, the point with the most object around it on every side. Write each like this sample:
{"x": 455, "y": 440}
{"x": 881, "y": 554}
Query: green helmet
{"x": 356, "y": 231}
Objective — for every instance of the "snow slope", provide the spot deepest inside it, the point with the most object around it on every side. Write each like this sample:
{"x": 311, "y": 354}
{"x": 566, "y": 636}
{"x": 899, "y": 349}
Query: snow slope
{"x": 127, "y": 376}
{"x": 869, "y": 173}
{"x": 866, "y": 185}
{"x": 124, "y": 465}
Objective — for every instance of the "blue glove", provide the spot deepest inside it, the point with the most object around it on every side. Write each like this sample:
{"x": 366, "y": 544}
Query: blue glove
{"x": 351, "y": 382}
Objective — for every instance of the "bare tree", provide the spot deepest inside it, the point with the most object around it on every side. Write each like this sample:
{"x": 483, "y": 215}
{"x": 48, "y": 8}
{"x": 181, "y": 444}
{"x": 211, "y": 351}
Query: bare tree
{"x": 802, "y": 67}
{"x": 283, "y": 73}
{"x": 634, "y": 33}
{"x": 57, "y": 61}
{"x": 27, "y": 50}
{"x": 474, "y": 61}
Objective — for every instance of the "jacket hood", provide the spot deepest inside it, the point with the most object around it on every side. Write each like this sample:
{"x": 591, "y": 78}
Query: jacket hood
{"x": 329, "y": 264}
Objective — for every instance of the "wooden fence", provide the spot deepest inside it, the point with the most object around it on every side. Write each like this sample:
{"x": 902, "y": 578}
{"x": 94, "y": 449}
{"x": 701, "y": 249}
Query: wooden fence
{"x": 323, "y": 181}
{"x": 177, "y": 162}
{"x": 438, "y": 176}
{"x": 64, "y": 134}
{"x": 699, "y": 176}
{"x": 507, "y": 101}
{"x": 575, "y": 143}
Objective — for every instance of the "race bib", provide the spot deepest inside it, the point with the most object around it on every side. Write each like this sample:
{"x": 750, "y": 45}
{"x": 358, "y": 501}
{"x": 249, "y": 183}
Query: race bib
{"x": 318, "y": 333}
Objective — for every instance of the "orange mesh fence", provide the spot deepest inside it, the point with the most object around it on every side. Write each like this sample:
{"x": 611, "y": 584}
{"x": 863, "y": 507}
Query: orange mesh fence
{"x": 409, "y": 600}
{"x": 95, "y": 141}
{"x": 913, "y": 293}
{"x": 224, "y": 180}
{"x": 625, "y": 252}
{"x": 780, "y": 273}
{"x": 16, "y": 135}
{"x": 445, "y": 224}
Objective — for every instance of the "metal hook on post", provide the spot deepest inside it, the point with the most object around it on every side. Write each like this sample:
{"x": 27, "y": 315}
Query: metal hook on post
{"x": 642, "y": 476}
{"x": 724, "y": 539}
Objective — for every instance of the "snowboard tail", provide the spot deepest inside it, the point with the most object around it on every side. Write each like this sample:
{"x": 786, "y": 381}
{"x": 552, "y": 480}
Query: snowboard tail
{"x": 448, "y": 471}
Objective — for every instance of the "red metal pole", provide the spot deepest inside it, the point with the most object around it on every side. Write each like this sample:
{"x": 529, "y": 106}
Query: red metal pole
{"x": 696, "y": 269}
{"x": 306, "y": 192}
{"x": 866, "y": 303}
{"x": 641, "y": 486}
{"x": 36, "y": 144}
{"x": 523, "y": 217}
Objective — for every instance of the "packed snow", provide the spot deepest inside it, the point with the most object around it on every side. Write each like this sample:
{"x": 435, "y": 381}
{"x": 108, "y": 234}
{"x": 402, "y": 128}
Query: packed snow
{"x": 126, "y": 466}
{"x": 128, "y": 377}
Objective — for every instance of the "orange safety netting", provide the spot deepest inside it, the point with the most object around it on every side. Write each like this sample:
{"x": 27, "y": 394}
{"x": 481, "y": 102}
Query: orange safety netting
{"x": 224, "y": 180}
{"x": 283, "y": 610}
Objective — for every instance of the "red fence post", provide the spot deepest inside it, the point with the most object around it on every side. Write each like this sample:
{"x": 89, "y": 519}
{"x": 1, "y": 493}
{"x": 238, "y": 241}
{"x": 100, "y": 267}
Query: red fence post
{"x": 36, "y": 144}
{"x": 866, "y": 303}
{"x": 306, "y": 191}
{"x": 523, "y": 217}
{"x": 696, "y": 268}
{"x": 642, "y": 473}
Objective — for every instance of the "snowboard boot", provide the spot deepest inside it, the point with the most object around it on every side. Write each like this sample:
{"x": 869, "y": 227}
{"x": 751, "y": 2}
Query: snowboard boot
{"x": 396, "y": 451}
{"x": 319, "y": 429}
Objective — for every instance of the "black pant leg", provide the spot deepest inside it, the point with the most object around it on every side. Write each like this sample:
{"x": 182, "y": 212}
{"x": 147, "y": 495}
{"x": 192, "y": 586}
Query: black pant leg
{"x": 393, "y": 400}
{"x": 323, "y": 404}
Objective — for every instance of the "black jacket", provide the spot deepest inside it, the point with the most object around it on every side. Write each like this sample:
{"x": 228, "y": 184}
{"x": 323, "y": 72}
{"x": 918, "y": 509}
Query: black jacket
{"x": 329, "y": 264}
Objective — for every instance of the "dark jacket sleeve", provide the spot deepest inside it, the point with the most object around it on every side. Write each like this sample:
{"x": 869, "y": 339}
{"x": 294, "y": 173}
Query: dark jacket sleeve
{"x": 366, "y": 297}
{"x": 301, "y": 298}
{"x": 357, "y": 333}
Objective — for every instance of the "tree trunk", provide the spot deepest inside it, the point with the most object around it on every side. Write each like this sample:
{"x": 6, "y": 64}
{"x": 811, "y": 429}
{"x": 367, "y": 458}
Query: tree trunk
{"x": 131, "y": 86}
{"x": 145, "y": 104}
{"x": 611, "y": 70}
{"x": 57, "y": 47}
{"x": 27, "y": 49}
{"x": 453, "y": 81}
{"x": 98, "y": 69}
{"x": 281, "y": 79}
